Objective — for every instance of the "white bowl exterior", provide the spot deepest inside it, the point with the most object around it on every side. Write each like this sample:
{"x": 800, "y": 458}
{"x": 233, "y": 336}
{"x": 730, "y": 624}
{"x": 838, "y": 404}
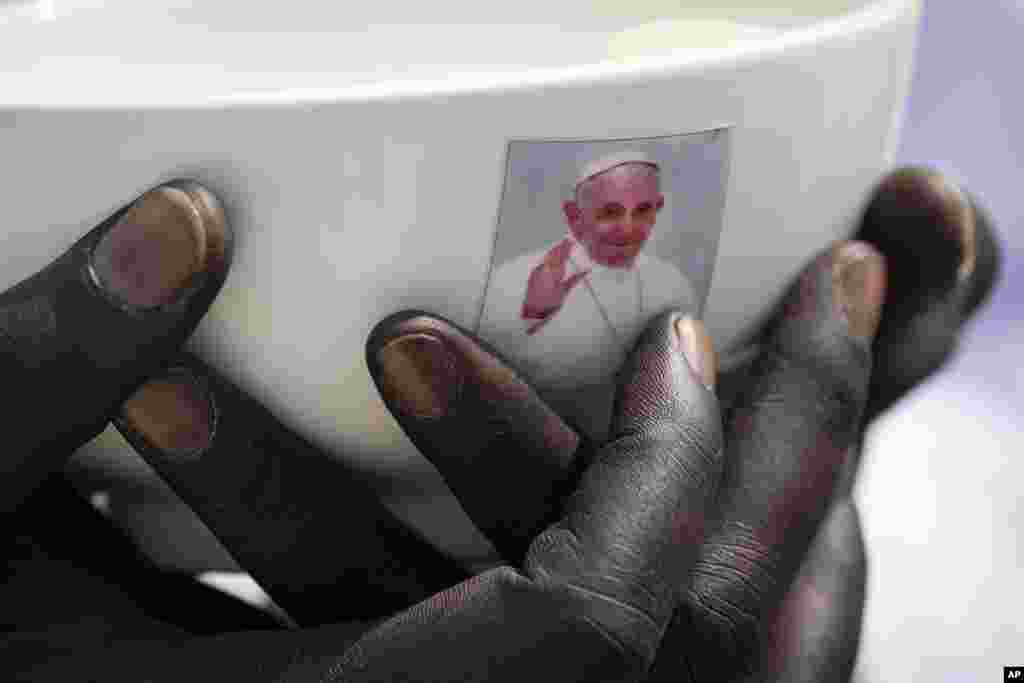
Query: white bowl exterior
{"x": 347, "y": 211}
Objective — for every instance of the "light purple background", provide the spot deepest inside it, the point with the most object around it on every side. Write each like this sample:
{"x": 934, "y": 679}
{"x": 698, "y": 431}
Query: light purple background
{"x": 941, "y": 490}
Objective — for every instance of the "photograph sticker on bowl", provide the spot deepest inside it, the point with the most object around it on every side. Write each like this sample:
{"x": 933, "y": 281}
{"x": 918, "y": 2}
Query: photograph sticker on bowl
{"x": 594, "y": 239}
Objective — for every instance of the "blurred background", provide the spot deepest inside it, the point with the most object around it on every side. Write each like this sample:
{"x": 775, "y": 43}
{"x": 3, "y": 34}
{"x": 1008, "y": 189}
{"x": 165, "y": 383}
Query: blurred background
{"x": 943, "y": 517}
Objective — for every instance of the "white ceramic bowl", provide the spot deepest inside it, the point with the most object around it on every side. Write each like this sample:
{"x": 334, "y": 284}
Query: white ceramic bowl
{"x": 363, "y": 149}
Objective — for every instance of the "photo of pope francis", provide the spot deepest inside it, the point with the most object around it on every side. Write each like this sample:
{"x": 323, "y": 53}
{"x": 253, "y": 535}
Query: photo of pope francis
{"x": 568, "y": 313}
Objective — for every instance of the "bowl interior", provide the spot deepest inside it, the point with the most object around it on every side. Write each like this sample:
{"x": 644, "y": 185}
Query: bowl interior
{"x": 110, "y": 51}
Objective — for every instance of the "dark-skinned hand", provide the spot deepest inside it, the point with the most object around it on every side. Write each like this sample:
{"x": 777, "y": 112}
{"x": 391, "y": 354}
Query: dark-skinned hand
{"x": 711, "y": 538}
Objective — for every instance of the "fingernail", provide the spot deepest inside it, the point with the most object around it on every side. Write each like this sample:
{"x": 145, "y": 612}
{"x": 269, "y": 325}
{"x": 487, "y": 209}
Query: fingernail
{"x": 909, "y": 207}
{"x": 165, "y": 239}
{"x": 955, "y": 214}
{"x": 699, "y": 350}
{"x": 173, "y": 414}
{"x": 858, "y": 275}
{"x": 418, "y": 375}
{"x": 962, "y": 225}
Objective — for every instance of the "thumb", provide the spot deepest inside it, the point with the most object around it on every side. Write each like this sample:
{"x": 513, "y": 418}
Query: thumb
{"x": 558, "y": 255}
{"x": 634, "y": 526}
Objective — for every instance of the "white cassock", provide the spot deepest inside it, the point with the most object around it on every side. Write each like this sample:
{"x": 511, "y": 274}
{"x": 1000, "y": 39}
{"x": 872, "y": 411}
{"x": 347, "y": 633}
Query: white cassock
{"x": 572, "y": 359}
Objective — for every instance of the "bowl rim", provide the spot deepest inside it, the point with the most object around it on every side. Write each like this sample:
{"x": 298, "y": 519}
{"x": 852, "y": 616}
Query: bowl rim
{"x": 870, "y": 16}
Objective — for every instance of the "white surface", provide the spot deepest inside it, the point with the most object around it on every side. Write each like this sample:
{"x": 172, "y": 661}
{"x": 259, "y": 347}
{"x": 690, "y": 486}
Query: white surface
{"x": 339, "y": 206}
{"x": 228, "y": 55}
{"x": 334, "y": 200}
{"x": 86, "y": 52}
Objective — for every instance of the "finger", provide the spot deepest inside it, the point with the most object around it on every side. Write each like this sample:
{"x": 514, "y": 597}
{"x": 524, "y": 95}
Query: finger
{"x": 543, "y": 294}
{"x": 507, "y": 457}
{"x": 944, "y": 261}
{"x": 786, "y": 440}
{"x": 558, "y": 255}
{"x": 77, "y": 337}
{"x": 634, "y": 527}
{"x": 816, "y": 634}
{"x": 508, "y": 626}
{"x": 574, "y": 279}
{"x": 318, "y": 541}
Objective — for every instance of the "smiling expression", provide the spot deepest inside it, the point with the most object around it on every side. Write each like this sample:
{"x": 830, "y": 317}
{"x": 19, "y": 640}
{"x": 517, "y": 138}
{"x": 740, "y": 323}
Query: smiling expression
{"x": 614, "y": 213}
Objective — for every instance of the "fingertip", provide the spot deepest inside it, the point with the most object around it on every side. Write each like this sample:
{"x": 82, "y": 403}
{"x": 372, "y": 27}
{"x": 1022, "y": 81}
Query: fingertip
{"x": 826, "y": 330}
{"x": 388, "y": 327}
{"x": 922, "y": 318}
{"x": 500, "y": 448}
{"x": 418, "y": 376}
{"x": 859, "y": 276}
{"x": 923, "y": 223}
{"x": 165, "y": 246}
{"x": 988, "y": 259}
{"x": 217, "y": 233}
{"x": 698, "y": 348}
{"x": 172, "y": 413}
{"x": 835, "y": 305}
{"x": 555, "y": 255}
{"x": 660, "y": 384}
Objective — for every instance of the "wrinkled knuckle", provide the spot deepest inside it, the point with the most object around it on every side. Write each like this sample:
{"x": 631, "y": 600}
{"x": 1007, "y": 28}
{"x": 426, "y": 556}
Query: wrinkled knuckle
{"x": 625, "y": 651}
{"x": 734, "y": 635}
{"x": 732, "y": 583}
{"x": 631, "y": 656}
{"x": 632, "y": 633}
{"x": 626, "y": 621}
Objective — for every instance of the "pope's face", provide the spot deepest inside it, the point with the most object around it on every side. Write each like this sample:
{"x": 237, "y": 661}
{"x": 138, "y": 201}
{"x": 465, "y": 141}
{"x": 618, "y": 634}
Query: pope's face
{"x": 614, "y": 214}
